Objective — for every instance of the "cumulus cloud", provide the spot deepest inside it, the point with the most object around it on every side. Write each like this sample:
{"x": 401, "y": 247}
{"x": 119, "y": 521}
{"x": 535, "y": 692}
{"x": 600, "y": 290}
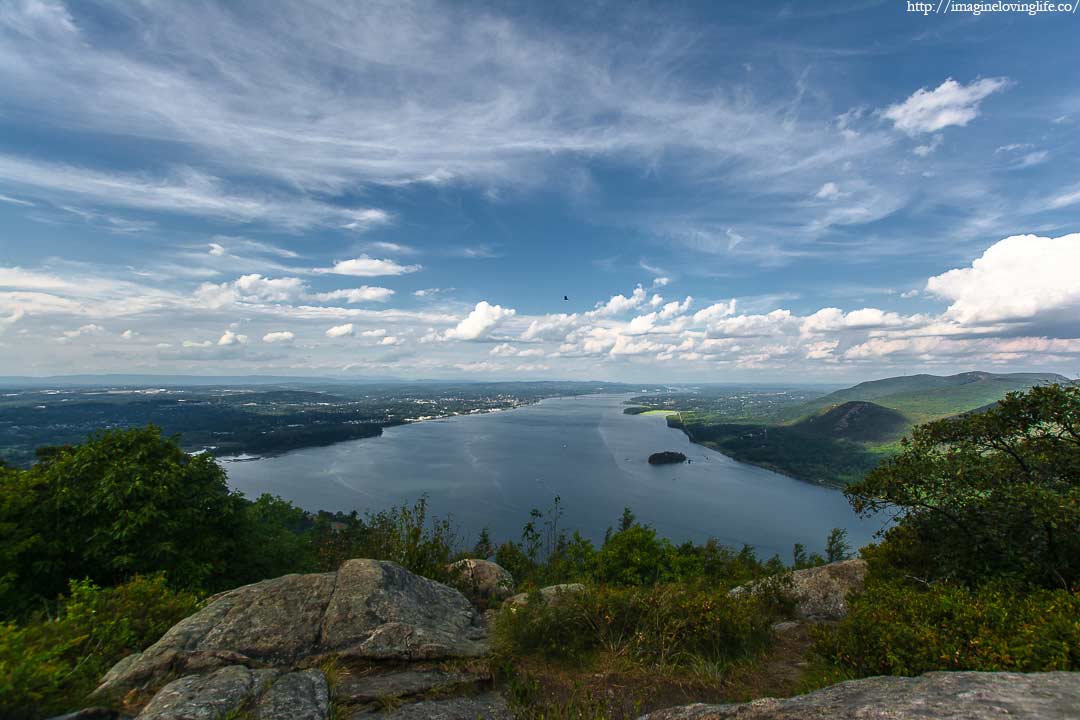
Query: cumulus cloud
{"x": 619, "y": 304}
{"x": 550, "y": 327}
{"x": 340, "y": 331}
{"x": 279, "y": 336}
{"x": 377, "y": 332}
{"x": 1018, "y": 278}
{"x": 482, "y": 320}
{"x": 364, "y": 293}
{"x": 365, "y": 266}
{"x": 231, "y": 338}
{"x": 950, "y": 103}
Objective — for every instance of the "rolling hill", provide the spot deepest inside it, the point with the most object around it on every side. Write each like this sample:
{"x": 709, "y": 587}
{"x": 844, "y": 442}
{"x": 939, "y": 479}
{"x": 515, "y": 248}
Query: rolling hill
{"x": 857, "y": 421}
{"x": 922, "y": 398}
{"x": 837, "y": 438}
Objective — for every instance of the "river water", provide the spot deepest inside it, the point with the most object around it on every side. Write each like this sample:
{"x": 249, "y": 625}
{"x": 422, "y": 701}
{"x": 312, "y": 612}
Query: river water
{"x": 490, "y": 470}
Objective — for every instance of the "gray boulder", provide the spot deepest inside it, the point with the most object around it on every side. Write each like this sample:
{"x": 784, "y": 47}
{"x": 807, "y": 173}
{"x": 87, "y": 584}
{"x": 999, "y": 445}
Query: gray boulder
{"x": 936, "y": 695}
{"x": 551, "y": 594}
{"x": 482, "y": 579}
{"x": 819, "y": 593}
{"x": 207, "y": 697}
{"x": 302, "y": 695}
{"x": 368, "y": 610}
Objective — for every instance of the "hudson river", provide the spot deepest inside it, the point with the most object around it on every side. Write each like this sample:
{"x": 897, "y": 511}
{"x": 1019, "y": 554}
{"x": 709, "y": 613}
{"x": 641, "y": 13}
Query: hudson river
{"x": 489, "y": 470}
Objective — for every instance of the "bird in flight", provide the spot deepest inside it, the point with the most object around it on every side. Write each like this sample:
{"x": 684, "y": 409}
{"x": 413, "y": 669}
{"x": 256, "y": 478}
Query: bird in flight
{"x": 565, "y": 297}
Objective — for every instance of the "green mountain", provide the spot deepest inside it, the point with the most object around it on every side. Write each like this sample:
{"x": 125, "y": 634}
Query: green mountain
{"x": 927, "y": 397}
{"x": 856, "y": 421}
{"x": 839, "y": 437}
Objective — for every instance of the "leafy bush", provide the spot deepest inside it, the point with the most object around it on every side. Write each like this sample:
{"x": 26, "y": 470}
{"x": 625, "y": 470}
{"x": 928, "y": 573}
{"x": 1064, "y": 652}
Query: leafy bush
{"x": 49, "y": 664}
{"x": 896, "y": 628}
{"x": 406, "y": 535}
{"x": 664, "y": 625}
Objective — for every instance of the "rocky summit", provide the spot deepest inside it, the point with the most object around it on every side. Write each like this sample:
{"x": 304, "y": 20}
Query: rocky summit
{"x": 259, "y": 643}
{"x": 373, "y": 640}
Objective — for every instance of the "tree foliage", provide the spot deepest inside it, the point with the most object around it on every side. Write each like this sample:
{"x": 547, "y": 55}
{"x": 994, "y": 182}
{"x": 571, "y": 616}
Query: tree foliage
{"x": 988, "y": 494}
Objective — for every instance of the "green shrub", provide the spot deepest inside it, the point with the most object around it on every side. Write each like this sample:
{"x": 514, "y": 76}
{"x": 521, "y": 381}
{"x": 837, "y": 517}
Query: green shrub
{"x": 49, "y": 664}
{"x": 897, "y": 628}
{"x": 663, "y": 625}
{"x": 407, "y": 535}
{"x": 633, "y": 556}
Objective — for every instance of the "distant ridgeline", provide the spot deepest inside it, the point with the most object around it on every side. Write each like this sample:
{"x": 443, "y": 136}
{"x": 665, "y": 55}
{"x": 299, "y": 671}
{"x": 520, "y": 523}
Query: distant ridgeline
{"x": 837, "y": 438}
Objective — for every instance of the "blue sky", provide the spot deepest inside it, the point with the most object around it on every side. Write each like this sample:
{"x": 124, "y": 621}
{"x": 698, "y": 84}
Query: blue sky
{"x": 724, "y": 192}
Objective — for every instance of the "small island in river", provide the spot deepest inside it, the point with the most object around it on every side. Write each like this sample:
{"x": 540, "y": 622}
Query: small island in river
{"x": 666, "y": 458}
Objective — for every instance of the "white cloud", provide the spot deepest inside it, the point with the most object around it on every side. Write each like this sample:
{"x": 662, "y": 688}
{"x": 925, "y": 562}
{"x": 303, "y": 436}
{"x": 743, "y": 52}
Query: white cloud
{"x": 364, "y": 293}
{"x": 231, "y": 338}
{"x": 619, "y": 304}
{"x": 128, "y": 334}
{"x": 1017, "y": 278}
{"x": 390, "y": 340}
{"x": 378, "y": 332}
{"x": 550, "y": 327}
{"x": 185, "y": 191}
{"x": 217, "y": 249}
{"x": 340, "y": 330}
{"x": 821, "y": 350}
{"x": 951, "y": 103}
{"x": 279, "y": 336}
{"x": 482, "y": 320}
{"x": 365, "y": 266}
{"x": 660, "y": 282}
{"x": 828, "y": 191}
{"x": 88, "y": 329}
{"x": 927, "y": 149}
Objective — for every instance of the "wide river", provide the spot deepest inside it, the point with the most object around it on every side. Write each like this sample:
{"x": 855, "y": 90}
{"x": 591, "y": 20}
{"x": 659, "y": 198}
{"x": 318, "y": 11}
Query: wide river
{"x": 490, "y": 470}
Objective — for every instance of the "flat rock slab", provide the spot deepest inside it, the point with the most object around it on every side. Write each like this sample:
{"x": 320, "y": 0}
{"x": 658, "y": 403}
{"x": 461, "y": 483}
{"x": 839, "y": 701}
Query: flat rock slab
{"x": 933, "y": 696}
{"x": 367, "y": 609}
{"x": 490, "y": 706}
{"x": 207, "y": 697}
{"x": 302, "y": 695}
{"x": 407, "y": 683}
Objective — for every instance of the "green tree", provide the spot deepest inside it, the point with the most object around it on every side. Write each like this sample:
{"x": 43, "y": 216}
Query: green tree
{"x": 632, "y": 557}
{"x": 836, "y": 546}
{"x": 483, "y": 548}
{"x": 987, "y": 494}
{"x": 125, "y": 502}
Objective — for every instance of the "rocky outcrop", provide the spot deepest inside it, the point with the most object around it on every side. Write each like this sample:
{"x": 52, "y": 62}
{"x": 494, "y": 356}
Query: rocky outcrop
{"x": 551, "y": 594}
{"x": 302, "y": 695}
{"x": 818, "y": 593}
{"x": 367, "y": 610}
{"x": 208, "y": 697}
{"x": 936, "y": 695}
{"x": 482, "y": 579}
